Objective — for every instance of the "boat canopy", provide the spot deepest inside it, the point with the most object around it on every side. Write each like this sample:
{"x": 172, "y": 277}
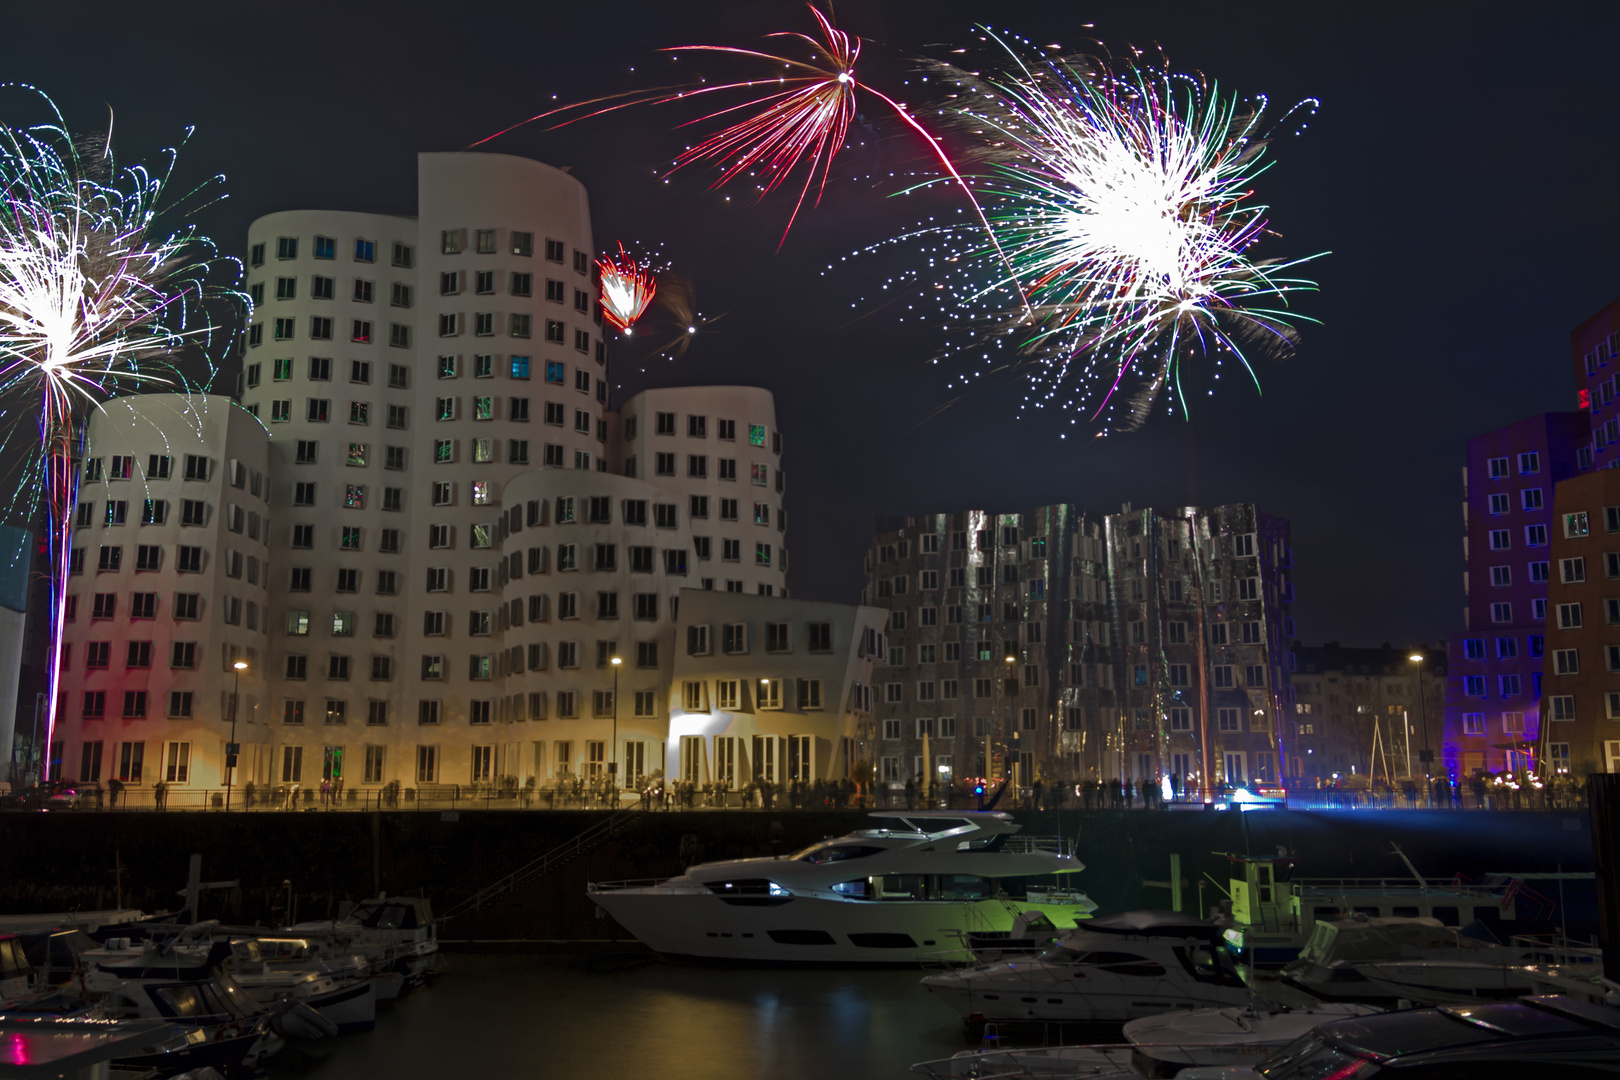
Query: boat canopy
{"x": 1150, "y": 923}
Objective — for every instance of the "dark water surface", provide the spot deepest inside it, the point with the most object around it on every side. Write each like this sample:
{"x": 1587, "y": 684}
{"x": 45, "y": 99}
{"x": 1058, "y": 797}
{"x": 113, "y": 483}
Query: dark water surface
{"x": 525, "y": 1015}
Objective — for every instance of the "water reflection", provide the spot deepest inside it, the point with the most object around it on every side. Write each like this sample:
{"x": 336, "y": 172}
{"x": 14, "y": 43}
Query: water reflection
{"x": 521, "y": 1015}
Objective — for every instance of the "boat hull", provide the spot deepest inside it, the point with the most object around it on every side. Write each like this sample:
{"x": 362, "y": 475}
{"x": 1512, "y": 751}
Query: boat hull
{"x": 809, "y": 930}
{"x": 1059, "y": 1000}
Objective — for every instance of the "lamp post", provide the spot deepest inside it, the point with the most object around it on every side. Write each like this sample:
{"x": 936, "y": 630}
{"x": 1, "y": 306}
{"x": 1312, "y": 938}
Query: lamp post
{"x": 231, "y": 749}
{"x": 1010, "y": 661}
{"x": 613, "y": 756}
{"x": 1427, "y": 756}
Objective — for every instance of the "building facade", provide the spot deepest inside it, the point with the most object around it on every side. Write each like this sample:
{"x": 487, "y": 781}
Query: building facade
{"x": 1358, "y": 710}
{"x": 1493, "y": 701}
{"x": 1595, "y": 355}
{"x": 170, "y": 585}
{"x": 1581, "y": 673}
{"x": 771, "y": 690}
{"x": 1060, "y": 644}
{"x": 465, "y": 534}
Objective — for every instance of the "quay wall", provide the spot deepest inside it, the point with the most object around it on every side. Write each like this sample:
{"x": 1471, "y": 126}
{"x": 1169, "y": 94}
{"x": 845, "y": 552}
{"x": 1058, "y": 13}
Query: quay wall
{"x": 66, "y": 861}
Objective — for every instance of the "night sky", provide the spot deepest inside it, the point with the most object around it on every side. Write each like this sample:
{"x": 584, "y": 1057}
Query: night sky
{"x": 1461, "y": 172}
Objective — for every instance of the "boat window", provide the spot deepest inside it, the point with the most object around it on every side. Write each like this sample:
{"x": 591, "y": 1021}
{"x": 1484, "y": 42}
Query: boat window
{"x": 1208, "y": 965}
{"x": 389, "y": 917}
{"x": 741, "y": 887}
{"x": 1142, "y": 968}
{"x": 1308, "y": 1058}
{"x": 1371, "y": 911}
{"x": 1320, "y": 912}
{"x": 184, "y": 1001}
{"x": 11, "y": 957}
{"x": 901, "y": 887}
{"x": 836, "y": 853}
{"x": 1404, "y": 912}
{"x": 856, "y": 890}
{"x": 1447, "y": 915}
{"x": 895, "y": 824}
{"x": 1486, "y": 914}
{"x": 963, "y": 887}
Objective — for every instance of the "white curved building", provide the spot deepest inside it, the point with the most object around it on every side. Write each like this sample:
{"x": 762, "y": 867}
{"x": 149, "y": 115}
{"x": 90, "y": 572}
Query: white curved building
{"x": 721, "y": 448}
{"x": 457, "y": 532}
{"x": 170, "y": 586}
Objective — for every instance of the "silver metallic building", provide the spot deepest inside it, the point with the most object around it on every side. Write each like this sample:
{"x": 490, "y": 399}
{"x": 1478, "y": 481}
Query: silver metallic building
{"x": 1059, "y": 644}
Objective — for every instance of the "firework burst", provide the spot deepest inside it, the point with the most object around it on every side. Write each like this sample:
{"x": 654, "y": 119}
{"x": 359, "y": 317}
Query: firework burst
{"x": 96, "y": 298}
{"x": 1122, "y": 199}
{"x": 627, "y": 288}
{"x": 800, "y": 125}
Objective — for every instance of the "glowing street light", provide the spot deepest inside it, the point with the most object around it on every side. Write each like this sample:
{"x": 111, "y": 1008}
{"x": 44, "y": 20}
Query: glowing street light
{"x": 613, "y": 762}
{"x": 231, "y": 748}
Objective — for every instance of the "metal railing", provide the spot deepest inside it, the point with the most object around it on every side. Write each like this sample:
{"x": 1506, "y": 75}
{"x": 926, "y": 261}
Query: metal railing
{"x": 567, "y": 851}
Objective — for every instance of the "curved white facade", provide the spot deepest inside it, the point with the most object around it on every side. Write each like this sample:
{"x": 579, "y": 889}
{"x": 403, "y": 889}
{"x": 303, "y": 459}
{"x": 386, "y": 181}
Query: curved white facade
{"x": 454, "y": 533}
{"x": 720, "y": 447}
{"x": 170, "y": 588}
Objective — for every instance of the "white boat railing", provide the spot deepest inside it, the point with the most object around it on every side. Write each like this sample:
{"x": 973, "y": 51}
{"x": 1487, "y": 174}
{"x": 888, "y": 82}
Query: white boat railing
{"x": 627, "y": 883}
{"x": 1397, "y": 887}
{"x": 1052, "y": 845}
{"x": 1557, "y": 950}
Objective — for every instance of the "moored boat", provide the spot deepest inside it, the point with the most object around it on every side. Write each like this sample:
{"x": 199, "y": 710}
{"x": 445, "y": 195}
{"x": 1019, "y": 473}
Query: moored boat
{"x": 912, "y": 888}
{"x": 1110, "y": 969}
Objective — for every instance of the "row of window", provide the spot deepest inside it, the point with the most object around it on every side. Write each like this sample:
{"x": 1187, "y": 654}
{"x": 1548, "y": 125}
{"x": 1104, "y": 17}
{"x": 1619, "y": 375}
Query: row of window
{"x": 1507, "y": 648}
{"x": 483, "y": 366}
{"x": 138, "y": 656}
{"x": 697, "y": 468}
{"x": 158, "y": 467}
{"x": 697, "y": 427}
{"x": 451, "y": 325}
{"x": 130, "y": 764}
{"x": 189, "y": 559}
{"x": 320, "y": 370}
{"x": 1529, "y": 464}
{"x": 451, "y": 283}
{"x": 1569, "y": 615}
{"x": 1530, "y": 499}
{"x": 1243, "y": 546}
{"x": 451, "y": 242}
{"x": 1565, "y": 662}
{"x": 1571, "y": 571}
{"x": 115, "y": 512}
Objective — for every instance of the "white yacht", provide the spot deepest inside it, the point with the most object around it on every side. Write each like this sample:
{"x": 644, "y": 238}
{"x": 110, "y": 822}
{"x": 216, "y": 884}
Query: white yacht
{"x": 1116, "y": 968}
{"x": 911, "y": 888}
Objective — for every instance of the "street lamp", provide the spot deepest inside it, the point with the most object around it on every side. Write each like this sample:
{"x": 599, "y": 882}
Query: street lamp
{"x": 1427, "y": 757}
{"x": 1010, "y": 660}
{"x": 231, "y": 749}
{"x": 613, "y": 760}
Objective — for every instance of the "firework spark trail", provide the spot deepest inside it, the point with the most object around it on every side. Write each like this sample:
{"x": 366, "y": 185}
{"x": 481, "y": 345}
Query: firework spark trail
{"x": 627, "y": 288}
{"x": 94, "y": 298}
{"x": 804, "y": 122}
{"x": 1123, "y": 199}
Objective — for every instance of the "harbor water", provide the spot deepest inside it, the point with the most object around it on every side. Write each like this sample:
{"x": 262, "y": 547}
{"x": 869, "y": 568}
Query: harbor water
{"x": 523, "y": 1014}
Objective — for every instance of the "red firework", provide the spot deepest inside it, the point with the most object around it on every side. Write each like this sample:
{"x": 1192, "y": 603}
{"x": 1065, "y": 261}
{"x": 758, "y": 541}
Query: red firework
{"x": 804, "y": 121}
{"x": 627, "y": 289}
